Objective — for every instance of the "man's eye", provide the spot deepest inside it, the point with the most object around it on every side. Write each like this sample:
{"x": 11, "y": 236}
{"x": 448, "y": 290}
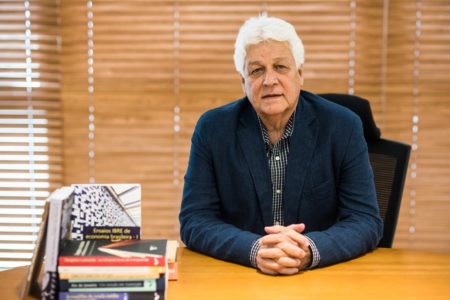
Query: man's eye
{"x": 256, "y": 71}
{"x": 281, "y": 67}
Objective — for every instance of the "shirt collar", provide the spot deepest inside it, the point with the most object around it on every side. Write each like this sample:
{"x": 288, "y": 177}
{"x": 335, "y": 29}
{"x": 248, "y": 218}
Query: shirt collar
{"x": 288, "y": 130}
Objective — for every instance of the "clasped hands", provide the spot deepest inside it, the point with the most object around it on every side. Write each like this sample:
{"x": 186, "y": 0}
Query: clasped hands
{"x": 284, "y": 250}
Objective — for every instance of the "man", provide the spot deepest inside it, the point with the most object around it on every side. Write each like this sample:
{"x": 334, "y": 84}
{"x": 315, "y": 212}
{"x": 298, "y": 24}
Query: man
{"x": 280, "y": 179}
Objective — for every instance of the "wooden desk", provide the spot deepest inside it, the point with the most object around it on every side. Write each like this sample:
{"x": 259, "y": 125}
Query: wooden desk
{"x": 383, "y": 274}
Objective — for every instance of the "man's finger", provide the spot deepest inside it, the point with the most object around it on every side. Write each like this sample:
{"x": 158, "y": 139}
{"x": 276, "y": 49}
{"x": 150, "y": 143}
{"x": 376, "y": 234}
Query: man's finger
{"x": 286, "y": 236}
{"x": 270, "y": 253}
{"x": 291, "y": 250}
{"x": 297, "y": 227}
{"x": 274, "y": 229}
{"x": 278, "y": 228}
{"x": 289, "y": 262}
{"x": 271, "y": 267}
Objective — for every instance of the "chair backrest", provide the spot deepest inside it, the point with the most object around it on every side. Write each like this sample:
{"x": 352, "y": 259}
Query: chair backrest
{"x": 389, "y": 160}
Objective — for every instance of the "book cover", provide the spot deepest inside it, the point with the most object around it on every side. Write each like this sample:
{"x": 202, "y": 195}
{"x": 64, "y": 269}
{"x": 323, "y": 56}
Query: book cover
{"x": 111, "y": 296}
{"x": 33, "y": 278}
{"x": 98, "y": 285}
{"x": 136, "y": 248}
{"x": 85, "y": 272}
{"x": 106, "y": 212}
{"x": 110, "y": 261}
{"x": 105, "y": 253}
{"x": 58, "y": 228}
{"x": 128, "y": 274}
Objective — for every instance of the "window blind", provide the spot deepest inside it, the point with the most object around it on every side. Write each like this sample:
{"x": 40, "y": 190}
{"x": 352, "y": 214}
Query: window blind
{"x": 30, "y": 123}
{"x": 131, "y": 100}
{"x": 417, "y": 111}
{"x": 157, "y": 65}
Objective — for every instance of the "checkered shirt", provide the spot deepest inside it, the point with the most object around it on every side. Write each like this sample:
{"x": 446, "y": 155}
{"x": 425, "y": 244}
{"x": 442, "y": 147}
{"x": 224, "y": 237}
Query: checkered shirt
{"x": 277, "y": 156}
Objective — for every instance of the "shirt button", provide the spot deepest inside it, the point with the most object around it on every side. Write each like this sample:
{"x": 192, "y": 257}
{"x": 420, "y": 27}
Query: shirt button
{"x": 277, "y": 223}
{"x": 277, "y": 158}
{"x": 278, "y": 191}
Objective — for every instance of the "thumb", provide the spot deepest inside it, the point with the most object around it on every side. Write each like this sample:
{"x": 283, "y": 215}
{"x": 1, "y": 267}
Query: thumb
{"x": 297, "y": 227}
{"x": 274, "y": 229}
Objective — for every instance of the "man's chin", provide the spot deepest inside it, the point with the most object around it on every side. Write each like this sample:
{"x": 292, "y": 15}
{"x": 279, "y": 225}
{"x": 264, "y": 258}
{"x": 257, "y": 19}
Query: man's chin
{"x": 273, "y": 110}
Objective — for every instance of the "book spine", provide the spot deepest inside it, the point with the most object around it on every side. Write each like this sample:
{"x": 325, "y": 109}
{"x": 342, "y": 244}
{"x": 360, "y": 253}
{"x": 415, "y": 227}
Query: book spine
{"x": 53, "y": 236}
{"x": 49, "y": 289}
{"x": 115, "y": 289}
{"x": 111, "y": 296}
{"x": 97, "y": 285}
{"x": 118, "y": 270}
{"x": 110, "y": 261}
{"x": 123, "y": 276}
{"x": 172, "y": 270}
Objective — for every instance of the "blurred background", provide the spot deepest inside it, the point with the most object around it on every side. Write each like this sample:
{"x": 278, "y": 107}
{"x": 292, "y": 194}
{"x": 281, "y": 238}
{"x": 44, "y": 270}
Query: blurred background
{"x": 109, "y": 92}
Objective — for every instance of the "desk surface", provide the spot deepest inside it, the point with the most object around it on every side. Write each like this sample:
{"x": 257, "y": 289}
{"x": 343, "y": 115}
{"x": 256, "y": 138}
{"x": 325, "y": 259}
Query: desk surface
{"x": 383, "y": 274}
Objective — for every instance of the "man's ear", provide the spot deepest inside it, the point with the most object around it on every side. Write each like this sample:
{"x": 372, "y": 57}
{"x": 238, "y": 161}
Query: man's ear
{"x": 300, "y": 72}
{"x": 243, "y": 83}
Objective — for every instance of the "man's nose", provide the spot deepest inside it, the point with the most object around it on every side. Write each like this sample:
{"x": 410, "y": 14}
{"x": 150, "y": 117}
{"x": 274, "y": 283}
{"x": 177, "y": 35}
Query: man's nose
{"x": 270, "y": 78}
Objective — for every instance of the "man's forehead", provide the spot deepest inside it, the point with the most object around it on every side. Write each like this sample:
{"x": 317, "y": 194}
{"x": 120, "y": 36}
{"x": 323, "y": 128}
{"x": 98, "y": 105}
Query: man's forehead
{"x": 251, "y": 61}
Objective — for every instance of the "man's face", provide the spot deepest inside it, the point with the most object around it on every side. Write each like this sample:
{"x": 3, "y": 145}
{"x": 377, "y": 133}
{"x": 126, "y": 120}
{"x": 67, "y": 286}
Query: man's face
{"x": 271, "y": 80}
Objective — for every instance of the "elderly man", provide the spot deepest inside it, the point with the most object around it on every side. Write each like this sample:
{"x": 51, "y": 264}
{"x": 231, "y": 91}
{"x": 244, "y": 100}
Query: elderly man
{"x": 280, "y": 179}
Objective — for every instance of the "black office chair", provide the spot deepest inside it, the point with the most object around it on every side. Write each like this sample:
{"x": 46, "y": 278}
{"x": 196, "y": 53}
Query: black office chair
{"x": 389, "y": 160}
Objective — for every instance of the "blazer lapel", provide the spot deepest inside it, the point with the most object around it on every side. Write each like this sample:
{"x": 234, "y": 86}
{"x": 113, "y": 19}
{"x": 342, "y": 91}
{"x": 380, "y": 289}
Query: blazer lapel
{"x": 301, "y": 149}
{"x": 252, "y": 145}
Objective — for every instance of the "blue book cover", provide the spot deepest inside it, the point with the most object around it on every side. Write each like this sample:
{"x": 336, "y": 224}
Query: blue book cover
{"x": 111, "y": 296}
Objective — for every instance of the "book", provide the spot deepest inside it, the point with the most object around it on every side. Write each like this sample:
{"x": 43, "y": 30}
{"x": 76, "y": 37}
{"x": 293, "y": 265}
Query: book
{"x": 32, "y": 280}
{"x": 60, "y": 206}
{"x": 151, "y": 274}
{"x": 110, "y": 261}
{"x": 172, "y": 264}
{"x": 136, "y": 248}
{"x": 86, "y": 270}
{"x": 79, "y": 257}
{"x": 124, "y": 285}
{"x": 111, "y": 296}
{"x": 106, "y": 212}
{"x": 61, "y": 202}
{"x": 172, "y": 270}
{"x": 171, "y": 251}
{"x": 102, "y": 253}
{"x": 143, "y": 248}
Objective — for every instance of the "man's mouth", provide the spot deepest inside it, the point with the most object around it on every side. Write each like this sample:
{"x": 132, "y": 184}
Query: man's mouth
{"x": 271, "y": 96}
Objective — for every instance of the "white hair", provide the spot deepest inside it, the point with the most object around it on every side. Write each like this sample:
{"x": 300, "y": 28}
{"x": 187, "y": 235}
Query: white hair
{"x": 263, "y": 28}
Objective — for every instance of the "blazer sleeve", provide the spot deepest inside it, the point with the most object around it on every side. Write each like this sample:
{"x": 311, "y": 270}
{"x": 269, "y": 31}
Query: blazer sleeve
{"x": 359, "y": 227}
{"x": 201, "y": 226}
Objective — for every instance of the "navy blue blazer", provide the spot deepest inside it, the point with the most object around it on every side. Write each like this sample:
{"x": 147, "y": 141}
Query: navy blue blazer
{"x": 227, "y": 196}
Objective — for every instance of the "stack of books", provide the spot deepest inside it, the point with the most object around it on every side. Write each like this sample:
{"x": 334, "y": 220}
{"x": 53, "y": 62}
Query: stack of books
{"x": 131, "y": 269}
{"x": 81, "y": 259}
{"x": 87, "y": 212}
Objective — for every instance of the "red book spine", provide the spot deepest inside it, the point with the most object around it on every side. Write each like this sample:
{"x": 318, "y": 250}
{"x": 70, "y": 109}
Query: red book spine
{"x": 110, "y": 261}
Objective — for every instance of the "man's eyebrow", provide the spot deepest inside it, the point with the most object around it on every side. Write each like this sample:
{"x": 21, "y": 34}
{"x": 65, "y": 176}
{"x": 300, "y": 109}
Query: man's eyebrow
{"x": 255, "y": 62}
{"x": 276, "y": 59}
